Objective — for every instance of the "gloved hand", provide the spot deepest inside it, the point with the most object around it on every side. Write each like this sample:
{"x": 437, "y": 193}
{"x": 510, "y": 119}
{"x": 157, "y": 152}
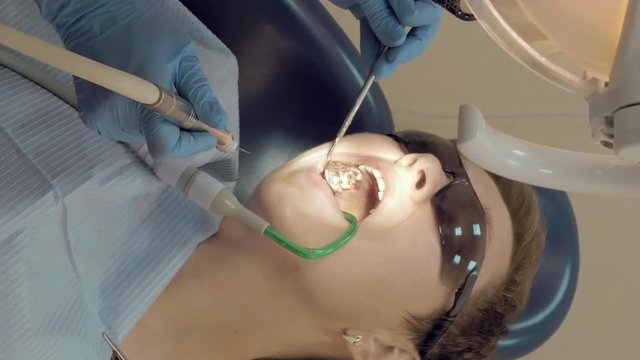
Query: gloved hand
{"x": 136, "y": 37}
{"x": 384, "y": 22}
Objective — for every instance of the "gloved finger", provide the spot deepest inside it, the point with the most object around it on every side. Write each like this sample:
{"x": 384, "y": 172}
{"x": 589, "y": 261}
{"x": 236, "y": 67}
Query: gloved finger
{"x": 383, "y": 22}
{"x": 107, "y": 113}
{"x": 413, "y": 13}
{"x": 193, "y": 85}
{"x": 165, "y": 140}
{"x": 417, "y": 41}
{"x": 383, "y": 69}
{"x": 371, "y": 49}
{"x": 370, "y": 46}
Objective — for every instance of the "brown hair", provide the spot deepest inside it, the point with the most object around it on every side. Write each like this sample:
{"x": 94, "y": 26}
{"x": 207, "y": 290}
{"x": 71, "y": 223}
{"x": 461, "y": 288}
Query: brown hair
{"x": 474, "y": 334}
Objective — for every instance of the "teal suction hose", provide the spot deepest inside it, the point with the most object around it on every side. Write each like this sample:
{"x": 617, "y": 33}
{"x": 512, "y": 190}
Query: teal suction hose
{"x": 225, "y": 203}
{"x": 319, "y": 253}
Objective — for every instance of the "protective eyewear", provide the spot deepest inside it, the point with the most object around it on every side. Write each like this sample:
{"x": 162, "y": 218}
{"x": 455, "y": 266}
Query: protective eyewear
{"x": 454, "y": 7}
{"x": 460, "y": 218}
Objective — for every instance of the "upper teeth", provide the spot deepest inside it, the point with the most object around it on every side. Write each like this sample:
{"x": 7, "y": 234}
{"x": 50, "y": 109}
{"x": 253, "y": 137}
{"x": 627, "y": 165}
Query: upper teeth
{"x": 340, "y": 177}
{"x": 377, "y": 175}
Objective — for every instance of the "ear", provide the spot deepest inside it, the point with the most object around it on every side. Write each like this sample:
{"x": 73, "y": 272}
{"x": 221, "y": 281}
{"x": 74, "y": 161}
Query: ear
{"x": 374, "y": 346}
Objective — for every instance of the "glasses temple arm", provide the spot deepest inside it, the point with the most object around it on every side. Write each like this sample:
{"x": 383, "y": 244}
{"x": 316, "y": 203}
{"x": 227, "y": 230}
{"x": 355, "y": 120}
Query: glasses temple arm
{"x": 441, "y": 326}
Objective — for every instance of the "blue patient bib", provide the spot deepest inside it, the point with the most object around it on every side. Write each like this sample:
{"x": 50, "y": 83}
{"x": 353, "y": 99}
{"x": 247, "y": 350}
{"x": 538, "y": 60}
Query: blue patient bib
{"x": 89, "y": 236}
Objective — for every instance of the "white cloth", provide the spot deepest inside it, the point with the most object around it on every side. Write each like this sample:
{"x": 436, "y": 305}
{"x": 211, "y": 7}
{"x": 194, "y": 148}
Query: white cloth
{"x": 89, "y": 237}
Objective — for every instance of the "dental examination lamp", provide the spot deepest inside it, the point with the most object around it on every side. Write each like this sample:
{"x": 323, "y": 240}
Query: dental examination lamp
{"x": 587, "y": 47}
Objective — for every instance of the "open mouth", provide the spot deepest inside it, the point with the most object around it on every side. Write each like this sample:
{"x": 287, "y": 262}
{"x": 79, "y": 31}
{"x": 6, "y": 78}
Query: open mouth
{"x": 358, "y": 188}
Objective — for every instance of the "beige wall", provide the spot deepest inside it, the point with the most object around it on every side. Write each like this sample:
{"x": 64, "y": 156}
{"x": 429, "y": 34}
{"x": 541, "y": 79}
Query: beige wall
{"x": 463, "y": 65}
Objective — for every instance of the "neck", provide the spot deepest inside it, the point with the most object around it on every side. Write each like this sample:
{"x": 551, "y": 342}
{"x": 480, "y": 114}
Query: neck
{"x": 227, "y": 302}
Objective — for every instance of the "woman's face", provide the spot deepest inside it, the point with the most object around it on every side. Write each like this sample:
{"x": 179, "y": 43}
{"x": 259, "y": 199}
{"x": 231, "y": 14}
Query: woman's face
{"x": 392, "y": 266}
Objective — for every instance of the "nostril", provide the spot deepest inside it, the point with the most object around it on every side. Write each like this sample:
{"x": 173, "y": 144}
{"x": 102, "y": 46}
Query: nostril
{"x": 422, "y": 180}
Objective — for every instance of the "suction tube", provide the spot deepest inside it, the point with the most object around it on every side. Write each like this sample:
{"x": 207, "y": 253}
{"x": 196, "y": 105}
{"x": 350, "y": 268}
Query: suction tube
{"x": 313, "y": 254}
{"x": 212, "y": 195}
{"x": 226, "y": 203}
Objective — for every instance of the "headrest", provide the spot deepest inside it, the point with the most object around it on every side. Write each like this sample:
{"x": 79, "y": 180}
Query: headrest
{"x": 555, "y": 283}
{"x": 299, "y": 76}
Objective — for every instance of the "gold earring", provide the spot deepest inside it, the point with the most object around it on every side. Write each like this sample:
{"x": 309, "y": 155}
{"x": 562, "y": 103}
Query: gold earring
{"x": 353, "y": 340}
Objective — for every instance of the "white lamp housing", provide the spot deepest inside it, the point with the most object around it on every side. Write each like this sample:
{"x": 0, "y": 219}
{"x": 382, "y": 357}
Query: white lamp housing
{"x": 541, "y": 165}
{"x": 614, "y": 111}
{"x": 589, "y": 47}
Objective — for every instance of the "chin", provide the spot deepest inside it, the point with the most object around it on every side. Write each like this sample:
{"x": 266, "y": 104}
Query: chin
{"x": 291, "y": 199}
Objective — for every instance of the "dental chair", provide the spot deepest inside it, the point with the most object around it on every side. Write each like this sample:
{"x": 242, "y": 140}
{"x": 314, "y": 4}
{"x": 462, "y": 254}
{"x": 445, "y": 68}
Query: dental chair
{"x": 299, "y": 75}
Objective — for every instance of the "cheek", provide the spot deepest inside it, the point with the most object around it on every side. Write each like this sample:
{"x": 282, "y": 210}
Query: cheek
{"x": 410, "y": 259}
{"x": 387, "y": 274}
{"x": 296, "y": 211}
{"x": 405, "y": 264}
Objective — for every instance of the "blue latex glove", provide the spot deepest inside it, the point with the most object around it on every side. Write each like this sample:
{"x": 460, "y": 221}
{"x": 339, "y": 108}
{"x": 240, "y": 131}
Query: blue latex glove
{"x": 136, "y": 37}
{"x": 383, "y": 22}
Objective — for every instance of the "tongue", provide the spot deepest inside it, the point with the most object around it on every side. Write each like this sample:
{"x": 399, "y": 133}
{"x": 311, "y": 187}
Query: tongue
{"x": 361, "y": 199}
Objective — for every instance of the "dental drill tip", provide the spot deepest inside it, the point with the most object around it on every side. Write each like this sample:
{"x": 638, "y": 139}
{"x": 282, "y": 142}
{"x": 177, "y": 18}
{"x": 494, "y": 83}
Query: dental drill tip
{"x": 244, "y": 151}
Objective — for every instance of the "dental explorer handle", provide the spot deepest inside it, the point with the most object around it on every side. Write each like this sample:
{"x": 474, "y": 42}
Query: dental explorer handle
{"x": 354, "y": 110}
{"x": 130, "y": 86}
{"x": 352, "y": 113}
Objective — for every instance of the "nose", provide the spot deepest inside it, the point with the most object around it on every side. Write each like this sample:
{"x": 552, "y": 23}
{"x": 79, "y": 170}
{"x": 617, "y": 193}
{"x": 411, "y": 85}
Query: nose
{"x": 424, "y": 174}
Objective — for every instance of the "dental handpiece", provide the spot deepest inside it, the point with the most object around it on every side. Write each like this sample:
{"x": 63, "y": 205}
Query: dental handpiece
{"x": 153, "y": 96}
{"x": 180, "y": 112}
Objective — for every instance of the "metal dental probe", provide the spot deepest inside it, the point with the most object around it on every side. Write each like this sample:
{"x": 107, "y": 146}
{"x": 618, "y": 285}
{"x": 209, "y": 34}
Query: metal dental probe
{"x": 113, "y": 346}
{"x": 352, "y": 113}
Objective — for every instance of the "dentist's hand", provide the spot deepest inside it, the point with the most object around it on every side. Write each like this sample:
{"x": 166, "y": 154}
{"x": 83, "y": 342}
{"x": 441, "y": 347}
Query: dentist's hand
{"x": 384, "y": 22}
{"x": 136, "y": 37}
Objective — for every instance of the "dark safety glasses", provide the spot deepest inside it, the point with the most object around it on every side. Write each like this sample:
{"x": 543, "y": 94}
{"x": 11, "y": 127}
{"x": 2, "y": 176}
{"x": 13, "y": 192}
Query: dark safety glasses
{"x": 460, "y": 218}
{"x": 454, "y": 7}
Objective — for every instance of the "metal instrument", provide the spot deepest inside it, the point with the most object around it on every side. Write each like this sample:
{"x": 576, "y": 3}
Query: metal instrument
{"x": 352, "y": 113}
{"x": 113, "y": 346}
